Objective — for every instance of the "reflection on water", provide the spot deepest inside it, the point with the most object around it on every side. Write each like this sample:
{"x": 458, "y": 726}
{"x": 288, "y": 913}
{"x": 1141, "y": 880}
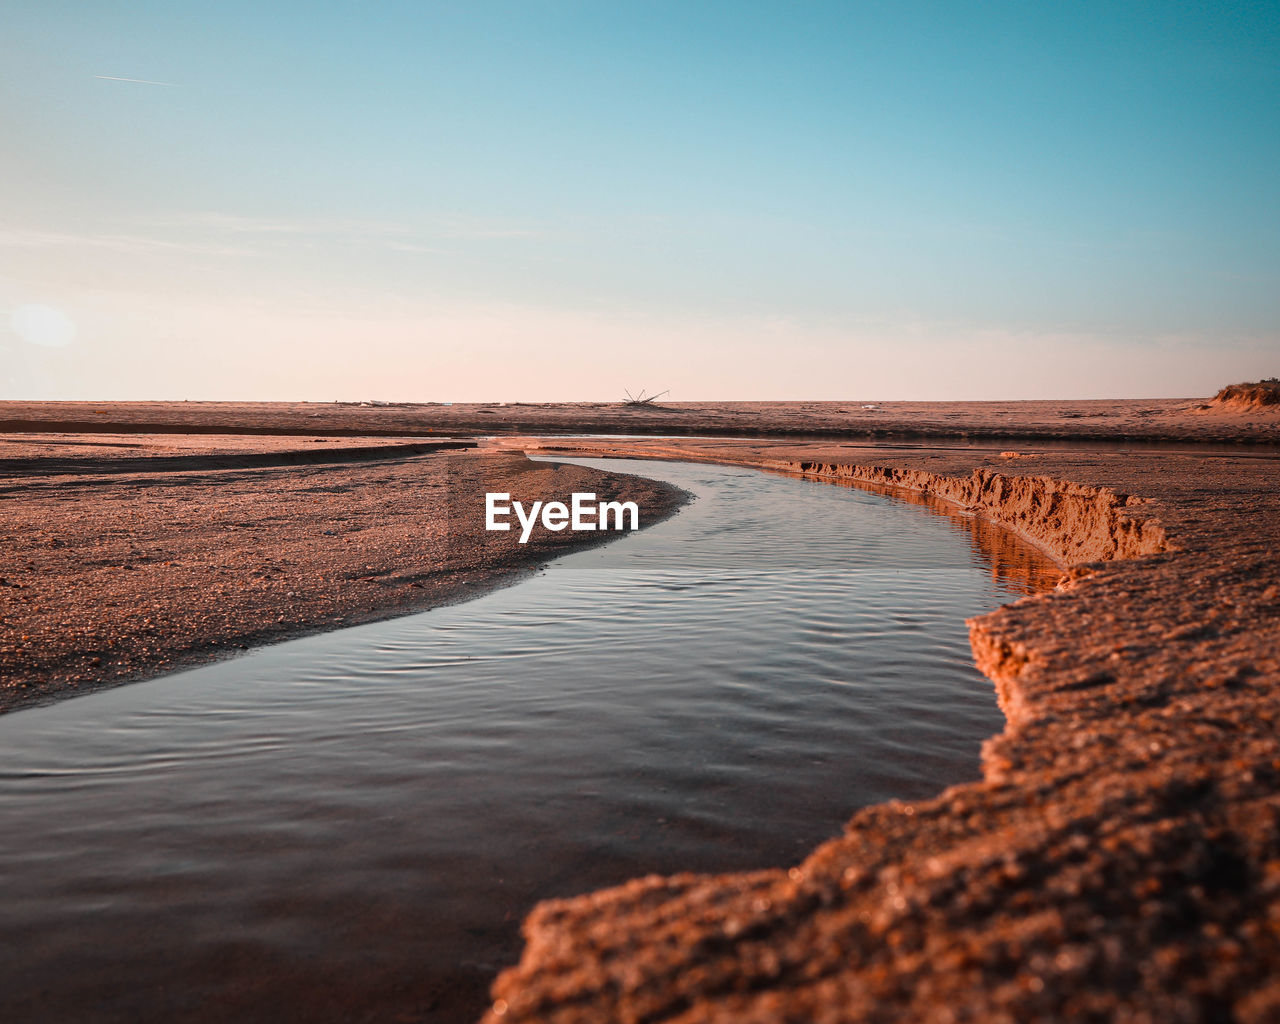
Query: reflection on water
{"x": 1016, "y": 566}
{"x": 351, "y": 826}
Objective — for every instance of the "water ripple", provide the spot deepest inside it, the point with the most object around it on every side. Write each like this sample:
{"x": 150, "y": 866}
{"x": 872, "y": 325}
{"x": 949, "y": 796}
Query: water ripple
{"x": 717, "y": 692}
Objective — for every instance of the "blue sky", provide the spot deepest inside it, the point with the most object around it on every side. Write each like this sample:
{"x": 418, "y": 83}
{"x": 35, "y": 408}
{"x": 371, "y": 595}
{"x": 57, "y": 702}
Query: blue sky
{"x": 558, "y": 200}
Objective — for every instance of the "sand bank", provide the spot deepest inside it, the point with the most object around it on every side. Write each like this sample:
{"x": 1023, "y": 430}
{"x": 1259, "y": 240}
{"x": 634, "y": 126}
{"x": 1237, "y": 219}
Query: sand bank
{"x": 1120, "y": 859}
{"x": 125, "y": 557}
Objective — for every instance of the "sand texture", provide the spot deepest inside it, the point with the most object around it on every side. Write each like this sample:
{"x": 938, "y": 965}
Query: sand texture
{"x": 121, "y": 558}
{"x": 1247, "y": 398}
{"x": 1168, "y": 420}
{"x": 1120, "y": 859}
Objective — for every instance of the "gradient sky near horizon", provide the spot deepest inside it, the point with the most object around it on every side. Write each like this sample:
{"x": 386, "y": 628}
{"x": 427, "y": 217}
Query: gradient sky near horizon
{"x": 559, "y": 200}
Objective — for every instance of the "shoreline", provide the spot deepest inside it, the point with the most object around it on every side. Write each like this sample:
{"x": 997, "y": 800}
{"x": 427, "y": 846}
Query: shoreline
{"x": 1120, "y": 854}
{"x": 133, "y": 562}
{"x": 922, "y": 494}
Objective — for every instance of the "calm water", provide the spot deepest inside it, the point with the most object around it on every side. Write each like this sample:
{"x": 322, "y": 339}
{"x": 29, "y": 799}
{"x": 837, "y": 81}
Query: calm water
{"x": 351, "y": 826}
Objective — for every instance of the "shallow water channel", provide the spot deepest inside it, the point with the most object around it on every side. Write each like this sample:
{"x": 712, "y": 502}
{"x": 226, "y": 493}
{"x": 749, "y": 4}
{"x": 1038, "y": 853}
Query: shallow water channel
{"x": 351, "y": 826}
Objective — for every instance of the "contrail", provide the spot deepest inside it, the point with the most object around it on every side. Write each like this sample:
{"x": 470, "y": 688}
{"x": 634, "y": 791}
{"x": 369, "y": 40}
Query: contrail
{"x": 139, "y": 81}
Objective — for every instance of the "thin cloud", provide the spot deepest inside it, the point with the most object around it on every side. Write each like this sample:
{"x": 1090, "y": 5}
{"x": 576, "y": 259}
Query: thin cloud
{"x": 130, "y": 244}
{"x": 480, "y": 229}
{"x": 394, "y": 235}
{"x": 234, "y": 224}
{"x": 135, "y": 81}
{"x": 414, "y": 247}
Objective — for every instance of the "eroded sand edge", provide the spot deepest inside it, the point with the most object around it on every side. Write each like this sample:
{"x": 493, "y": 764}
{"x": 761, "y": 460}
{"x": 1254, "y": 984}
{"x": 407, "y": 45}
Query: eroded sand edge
{"x": 1120, "y": 858}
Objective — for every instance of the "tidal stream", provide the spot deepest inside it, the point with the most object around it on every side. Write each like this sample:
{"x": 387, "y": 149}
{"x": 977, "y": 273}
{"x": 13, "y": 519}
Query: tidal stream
{"x": 351, "y": 826}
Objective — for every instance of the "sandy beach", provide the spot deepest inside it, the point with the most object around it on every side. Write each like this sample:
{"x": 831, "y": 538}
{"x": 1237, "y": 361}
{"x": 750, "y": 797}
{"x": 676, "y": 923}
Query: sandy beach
{"x": 934, "y": 351}
{"x": 124, "y": 557}
{"x": 1118, "y": 858}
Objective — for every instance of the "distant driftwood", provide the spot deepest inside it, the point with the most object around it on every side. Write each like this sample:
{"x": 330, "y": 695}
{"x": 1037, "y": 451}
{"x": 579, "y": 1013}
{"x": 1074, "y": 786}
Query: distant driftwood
{"x": 640, "y": 399}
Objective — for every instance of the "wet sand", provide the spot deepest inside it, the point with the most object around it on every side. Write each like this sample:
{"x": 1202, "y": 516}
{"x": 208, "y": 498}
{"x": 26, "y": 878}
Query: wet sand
{"x": 125, "y": 557}
{"x": 1119, "y": 860}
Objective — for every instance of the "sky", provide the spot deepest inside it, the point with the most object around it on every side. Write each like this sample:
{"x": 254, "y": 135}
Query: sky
{"x": 557, "y": 201}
